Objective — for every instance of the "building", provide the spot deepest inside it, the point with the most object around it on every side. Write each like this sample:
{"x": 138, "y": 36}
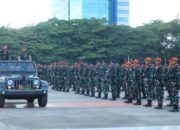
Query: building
{"x": 95, "y": 8}
{"x": 114, "y": 11}
{"x": 122, "y": 12}
{"x": 60, "y": 9}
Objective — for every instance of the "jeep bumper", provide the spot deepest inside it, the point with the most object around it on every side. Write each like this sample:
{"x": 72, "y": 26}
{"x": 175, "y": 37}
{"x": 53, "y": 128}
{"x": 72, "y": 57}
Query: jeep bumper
{"x": 22, "y": 93}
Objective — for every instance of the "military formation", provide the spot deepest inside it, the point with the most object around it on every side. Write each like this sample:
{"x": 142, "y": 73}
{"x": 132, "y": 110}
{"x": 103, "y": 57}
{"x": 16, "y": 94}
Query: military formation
{"x": 138, "y": 81}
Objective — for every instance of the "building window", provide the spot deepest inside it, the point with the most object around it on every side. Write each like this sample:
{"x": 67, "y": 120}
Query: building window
{"x": 122, "y": 19}
{"x": 123, "y": 3}
{"x": 123, "y": 11}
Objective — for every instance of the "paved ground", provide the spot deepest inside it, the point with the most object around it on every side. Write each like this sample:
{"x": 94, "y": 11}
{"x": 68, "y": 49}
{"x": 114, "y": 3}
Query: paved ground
{"x": 70, "y": 111}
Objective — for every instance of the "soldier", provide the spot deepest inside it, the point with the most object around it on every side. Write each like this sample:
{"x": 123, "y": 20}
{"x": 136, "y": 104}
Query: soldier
{"x": 98, "y": 78}
{"x": 129, "y": 82}
{"x": 123, "y": 80}
{"x": 174, "y": 77}
{"x": 158, "y": 83}
{"x": 91, "y": 79}
{"x": 113, "y": 80}
{"x": 148, "y": 77}
{"x": 119, "y": 80}
{"x": 5, "y": 53}
{"x": 105, "y": 80}
{"x": 137, "y": 79}
{"x": 25, "y": 55}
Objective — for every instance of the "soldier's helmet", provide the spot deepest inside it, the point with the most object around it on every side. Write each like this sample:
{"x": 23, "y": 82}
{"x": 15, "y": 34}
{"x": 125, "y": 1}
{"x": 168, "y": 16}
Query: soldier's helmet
{"x": 148, "y": 59}
{"x": 128, "y": 63}
{"x": 136, "y": 61}
{"x": 159, "y": 59}
{"x": 174, "y": 59}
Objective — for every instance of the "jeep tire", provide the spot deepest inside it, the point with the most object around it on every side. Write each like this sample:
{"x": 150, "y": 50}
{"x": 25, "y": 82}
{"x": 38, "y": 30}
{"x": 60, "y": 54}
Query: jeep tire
{"x": 2, "y": 101}
{"x": 42, "y": 100}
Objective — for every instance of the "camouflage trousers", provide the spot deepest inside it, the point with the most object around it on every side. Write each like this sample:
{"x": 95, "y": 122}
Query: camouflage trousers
{"x": 159, "y": 91}
{"x": 137, "y": 90}
{"x": 105, "y": 87}
{"x": 175, "y": 92}
{"x": 149, "y": 88}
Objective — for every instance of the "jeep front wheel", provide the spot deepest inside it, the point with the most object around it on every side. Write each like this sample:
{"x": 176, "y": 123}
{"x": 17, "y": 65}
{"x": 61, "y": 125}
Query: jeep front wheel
{"x": 2, "y": 101}
{"x": 42, "y": 101}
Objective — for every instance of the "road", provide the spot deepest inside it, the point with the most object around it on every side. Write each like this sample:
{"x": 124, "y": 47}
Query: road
{"x": 71, "y": 111}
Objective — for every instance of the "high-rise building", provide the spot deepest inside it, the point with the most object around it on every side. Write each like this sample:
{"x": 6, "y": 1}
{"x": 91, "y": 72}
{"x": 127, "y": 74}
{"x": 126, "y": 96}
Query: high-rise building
{"x": 114, "y": 11}
{"x": 122, "y": 14}
{"x": 66, "y": 9}
{"x": 95, "y": 8}
{"x": 60, "y": 9}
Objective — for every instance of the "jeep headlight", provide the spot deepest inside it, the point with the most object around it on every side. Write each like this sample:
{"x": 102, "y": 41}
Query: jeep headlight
{"x": 36, "y": 82}
{"x": 10, "y": 83}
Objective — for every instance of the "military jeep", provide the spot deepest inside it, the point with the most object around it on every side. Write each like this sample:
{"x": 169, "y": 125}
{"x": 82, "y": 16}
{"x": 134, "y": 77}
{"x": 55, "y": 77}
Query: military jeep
{"x": 19, "y": 80}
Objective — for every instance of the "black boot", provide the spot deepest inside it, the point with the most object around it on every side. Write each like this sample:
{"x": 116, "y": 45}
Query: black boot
{"x": 92, "y": 94}
{"x": 129, "y": 100}
{"x": 67, "y": 90}
{"x": 138, "y": 102}
{"x": 159, "y": 106}
{"x": 170, "y": 104}
{"x": 113, "y": 98}
{"x": 105, "y": 96}
{"x": 99, "y": 95}
{"x": 87, "y": 93}
{"x": 125, "y": 97}
{"x": 175, "y": 109}
{"x": 149, "y": 104}
{"x": 82, "y": 92}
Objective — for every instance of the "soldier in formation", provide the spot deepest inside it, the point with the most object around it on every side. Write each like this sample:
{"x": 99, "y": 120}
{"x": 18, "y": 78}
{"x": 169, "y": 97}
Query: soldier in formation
{"x": 138, "y": 81}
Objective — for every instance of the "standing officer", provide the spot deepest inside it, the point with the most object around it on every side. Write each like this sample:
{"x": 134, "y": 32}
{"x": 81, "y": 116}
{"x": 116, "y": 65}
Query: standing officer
{"x": 25, "y": 55}
{"x": 148, "y": 75}
{"x": 174, "y": 77}
{"x": 158, "y": 83}
{"x": 5, "y": 53}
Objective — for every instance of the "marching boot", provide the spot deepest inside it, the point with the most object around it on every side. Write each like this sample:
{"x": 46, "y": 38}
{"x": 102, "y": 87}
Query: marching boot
{"x": 170, "y": 104}
{"x": 87, "y": 93}
{"x": 67, "y": 90}
{"x": 77, "y": 91}
{"x": 129, "y": 100}
{"x": 113, "y": 98}
{"x": 159, "y": 106}
{"x": 125, "y": 97}
{"x": 149, "y": 104}
{"x": 82, "y": 92}
{"x": 118, "y": 96}
{"x": 175, "y": 109}
{"x": 92, "y": 94}
{"x": 138, "y": 102}
{"x": 99, "y": 95}
{"x": 105, "y": 97}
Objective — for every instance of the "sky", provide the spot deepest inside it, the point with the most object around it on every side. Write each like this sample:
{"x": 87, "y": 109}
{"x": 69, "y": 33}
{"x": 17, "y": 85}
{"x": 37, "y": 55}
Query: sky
{"x": 19, "y": 13}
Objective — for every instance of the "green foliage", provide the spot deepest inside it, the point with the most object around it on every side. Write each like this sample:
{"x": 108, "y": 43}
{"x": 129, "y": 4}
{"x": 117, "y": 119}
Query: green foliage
{"x": 59, "y": 40}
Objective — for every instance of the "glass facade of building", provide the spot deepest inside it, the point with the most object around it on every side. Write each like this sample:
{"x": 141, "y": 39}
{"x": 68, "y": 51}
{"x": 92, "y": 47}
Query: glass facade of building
{"x": 95, "y": 8}
{"x": 123, "y": 10}
{"x": 114, "y": 11}
{"x": 59, "y": 9}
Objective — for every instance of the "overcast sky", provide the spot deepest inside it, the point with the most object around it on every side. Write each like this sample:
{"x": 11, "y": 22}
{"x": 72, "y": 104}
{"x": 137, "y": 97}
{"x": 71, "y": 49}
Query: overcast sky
{"x": 18, "y": 13}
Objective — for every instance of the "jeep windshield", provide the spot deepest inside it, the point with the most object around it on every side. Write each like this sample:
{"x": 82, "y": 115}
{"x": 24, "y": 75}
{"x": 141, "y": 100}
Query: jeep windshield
{"x": 17, "y": 67}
